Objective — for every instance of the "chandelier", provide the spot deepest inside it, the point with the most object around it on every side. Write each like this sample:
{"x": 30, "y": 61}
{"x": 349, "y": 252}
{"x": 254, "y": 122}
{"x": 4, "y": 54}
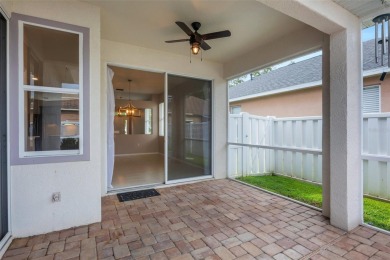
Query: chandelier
{"x": 129, "y": 110}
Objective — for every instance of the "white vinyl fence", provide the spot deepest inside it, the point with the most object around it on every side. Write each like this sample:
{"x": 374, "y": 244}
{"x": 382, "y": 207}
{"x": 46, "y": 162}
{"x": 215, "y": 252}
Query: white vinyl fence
{"x": 293, "y": 147}
{"x": 196, "y": 135}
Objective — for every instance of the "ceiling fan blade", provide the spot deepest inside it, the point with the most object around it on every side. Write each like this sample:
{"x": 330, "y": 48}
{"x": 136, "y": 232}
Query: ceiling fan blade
{"x": 204, "y": 46}
{"x": 216, "y": 35}
{"x": 185, "y": 28}
{"x": 182, "y": 40}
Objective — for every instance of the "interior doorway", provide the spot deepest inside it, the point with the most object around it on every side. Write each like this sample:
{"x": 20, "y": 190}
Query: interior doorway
{"x": 139, "y": 147}
{"x": 3, "y": 129}
{"x": 161, "y": 128}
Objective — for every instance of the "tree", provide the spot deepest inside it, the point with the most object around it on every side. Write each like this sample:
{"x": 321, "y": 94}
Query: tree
{"x": 236, "y": 81}
{"x": 249, "y": 76}
{"x": 258, "y": 73}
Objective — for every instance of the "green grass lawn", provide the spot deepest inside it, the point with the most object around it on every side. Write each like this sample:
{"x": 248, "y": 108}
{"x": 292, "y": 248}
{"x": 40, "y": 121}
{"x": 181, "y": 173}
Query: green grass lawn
{"x": 376, "y": 212}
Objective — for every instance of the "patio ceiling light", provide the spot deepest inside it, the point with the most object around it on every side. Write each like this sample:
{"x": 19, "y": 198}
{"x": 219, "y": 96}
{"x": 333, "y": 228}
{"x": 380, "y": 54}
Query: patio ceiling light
{"x": 380, "y": 38}
{"x": 195, "y": 47}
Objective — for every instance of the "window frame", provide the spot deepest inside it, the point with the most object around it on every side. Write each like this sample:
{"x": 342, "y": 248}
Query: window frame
{"x": 377, "y": 86}
{"x": 233, "y": 107}
{"x": 161, "y": 119}
{"x": 19, "y": 155}
{"x": 148, "y": 121}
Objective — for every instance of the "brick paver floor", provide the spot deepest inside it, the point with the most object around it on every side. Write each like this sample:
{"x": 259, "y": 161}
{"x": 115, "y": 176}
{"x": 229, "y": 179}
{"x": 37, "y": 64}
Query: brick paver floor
{"x": 219, "y": 219}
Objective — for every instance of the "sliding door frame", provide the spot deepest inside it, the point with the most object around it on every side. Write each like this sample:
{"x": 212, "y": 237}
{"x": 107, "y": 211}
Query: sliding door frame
{"x": 166, "y": 74}
{"x": 211, "y": 176}
{"x": 7, "y": 239}
{"x": 126, "y": 66}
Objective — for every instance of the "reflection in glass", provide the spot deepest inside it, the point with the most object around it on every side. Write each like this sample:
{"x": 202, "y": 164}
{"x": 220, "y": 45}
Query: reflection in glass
{"x": 189, "y": 127}
{"x": 52, "y": 121}
{"x": 51, "y": 57}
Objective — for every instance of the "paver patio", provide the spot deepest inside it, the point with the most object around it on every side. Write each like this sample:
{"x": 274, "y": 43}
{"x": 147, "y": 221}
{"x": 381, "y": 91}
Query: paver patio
{"x": 218, "y": 219}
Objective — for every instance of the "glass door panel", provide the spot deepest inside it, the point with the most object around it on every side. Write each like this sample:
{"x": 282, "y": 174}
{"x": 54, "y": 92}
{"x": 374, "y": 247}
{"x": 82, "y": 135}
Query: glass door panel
{"x": 189, "y": 120}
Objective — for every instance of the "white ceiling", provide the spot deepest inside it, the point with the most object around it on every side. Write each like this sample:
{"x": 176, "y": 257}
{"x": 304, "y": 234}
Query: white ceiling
{"x": 362, "y": 8}
{"x": 149, "y": 23}
{"x": 365, "y": 8}
{"x": 142, "y": 82}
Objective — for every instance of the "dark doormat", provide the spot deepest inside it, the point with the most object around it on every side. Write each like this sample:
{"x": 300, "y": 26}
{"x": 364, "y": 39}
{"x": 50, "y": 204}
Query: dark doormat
{"x": 135, "y": 195}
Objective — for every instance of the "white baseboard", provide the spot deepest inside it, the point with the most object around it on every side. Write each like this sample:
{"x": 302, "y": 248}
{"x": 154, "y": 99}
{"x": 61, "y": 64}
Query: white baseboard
{"x": 133, "y": 154}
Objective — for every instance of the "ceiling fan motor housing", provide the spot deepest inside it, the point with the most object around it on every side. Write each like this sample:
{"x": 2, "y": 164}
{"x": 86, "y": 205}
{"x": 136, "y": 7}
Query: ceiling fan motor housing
{"x": 196, "y": 25}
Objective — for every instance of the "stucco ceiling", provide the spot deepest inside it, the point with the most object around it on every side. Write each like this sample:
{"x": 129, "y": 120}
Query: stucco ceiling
{"x": 365, "y": 9}
{"x": 362, "y": 8}
{"x": 149, "y": 23}
{"x": 142, "y": 82}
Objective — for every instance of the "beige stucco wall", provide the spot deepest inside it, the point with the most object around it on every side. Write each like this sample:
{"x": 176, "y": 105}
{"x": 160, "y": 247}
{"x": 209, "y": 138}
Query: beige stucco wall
{"x": 305, "y": 102}
{"x": 31, "y": 188}
{"x": 385, "y": 90}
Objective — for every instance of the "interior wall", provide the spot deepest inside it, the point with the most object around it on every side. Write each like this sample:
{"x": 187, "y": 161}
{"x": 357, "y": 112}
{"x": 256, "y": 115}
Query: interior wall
{"x": 33, "y": 211}
{"x": 129, "y": 55}
{"x": 139, "y": 143}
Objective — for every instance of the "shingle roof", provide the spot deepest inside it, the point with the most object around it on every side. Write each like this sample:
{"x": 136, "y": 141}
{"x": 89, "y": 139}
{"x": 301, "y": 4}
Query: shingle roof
{"x": 302, "y": 72}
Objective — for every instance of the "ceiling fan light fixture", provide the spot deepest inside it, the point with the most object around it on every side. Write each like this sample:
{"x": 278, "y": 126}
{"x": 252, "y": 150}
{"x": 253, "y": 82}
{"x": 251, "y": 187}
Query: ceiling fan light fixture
{"x": 195, "y": 47}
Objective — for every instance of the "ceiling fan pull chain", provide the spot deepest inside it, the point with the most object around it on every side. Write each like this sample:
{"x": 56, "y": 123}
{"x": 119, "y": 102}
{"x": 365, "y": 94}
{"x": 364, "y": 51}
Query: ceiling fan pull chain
{"x": 201, "y": 54}
{"x": 190, "y": 55}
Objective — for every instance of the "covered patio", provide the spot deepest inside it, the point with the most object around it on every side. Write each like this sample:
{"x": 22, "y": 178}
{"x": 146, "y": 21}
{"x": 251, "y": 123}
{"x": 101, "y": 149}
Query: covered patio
{"x": 216, "y": 219}
{"x": 56, "y": 203}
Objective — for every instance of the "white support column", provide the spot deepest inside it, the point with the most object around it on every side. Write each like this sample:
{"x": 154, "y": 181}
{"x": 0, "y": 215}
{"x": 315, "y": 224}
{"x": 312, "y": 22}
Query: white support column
{"x": 326, "y": 126}
{"x": 343, "y": 197}
{"x": 345, "y": 128}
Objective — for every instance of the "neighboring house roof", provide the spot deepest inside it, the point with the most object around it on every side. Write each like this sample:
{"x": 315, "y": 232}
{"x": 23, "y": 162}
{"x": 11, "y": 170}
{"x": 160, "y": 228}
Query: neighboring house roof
{"x": 303, "y": 74}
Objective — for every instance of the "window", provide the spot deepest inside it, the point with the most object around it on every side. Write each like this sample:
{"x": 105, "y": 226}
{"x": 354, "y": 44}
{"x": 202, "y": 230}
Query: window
{"x": 51, "y": 91}
{"x": 371, "y": 99}
{"x": 161, "y": 119}
{"x": 235, "y": 109}
{"x": 52, "y": 97}
{"x": 148, "y": 121}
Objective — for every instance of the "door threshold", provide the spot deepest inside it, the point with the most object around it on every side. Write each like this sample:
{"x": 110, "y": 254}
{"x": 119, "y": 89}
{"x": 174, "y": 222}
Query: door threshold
{"x": 134, "y": 188}
{"x": 157, "y": 185}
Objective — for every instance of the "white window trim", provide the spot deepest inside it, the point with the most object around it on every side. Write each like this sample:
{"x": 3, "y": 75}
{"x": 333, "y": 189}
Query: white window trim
{"x": 161, "y": 118}
{"x": 234, "y": 106}
{"x": 379, "y": 96}
{"x": 148, "y": 121}
{"x": 48, "y": 89}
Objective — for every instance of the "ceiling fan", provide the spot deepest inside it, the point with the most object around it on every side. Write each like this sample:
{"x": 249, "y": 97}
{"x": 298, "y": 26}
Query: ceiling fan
{"x": 196, "y": 39}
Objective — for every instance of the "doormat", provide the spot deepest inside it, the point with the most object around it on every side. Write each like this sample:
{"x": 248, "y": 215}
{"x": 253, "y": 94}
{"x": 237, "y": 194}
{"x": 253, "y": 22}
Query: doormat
{"x": 135, "y": 195}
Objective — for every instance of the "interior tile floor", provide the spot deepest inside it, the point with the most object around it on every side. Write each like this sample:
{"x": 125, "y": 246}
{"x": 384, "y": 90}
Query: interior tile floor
{"x": 148, "y": 169}
{"x": 138, "y": 170}
{"x": 218, "y": 219}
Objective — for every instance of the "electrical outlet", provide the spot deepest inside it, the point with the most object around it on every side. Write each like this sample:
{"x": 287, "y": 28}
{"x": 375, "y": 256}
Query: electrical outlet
{"x": 56, "y": 197}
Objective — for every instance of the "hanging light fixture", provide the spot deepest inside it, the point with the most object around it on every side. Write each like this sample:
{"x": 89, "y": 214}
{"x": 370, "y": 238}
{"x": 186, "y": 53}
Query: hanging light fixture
{"x": 129, "y": 110}
{"x": 195, "y": 47}
{"x": 381, "y": 39}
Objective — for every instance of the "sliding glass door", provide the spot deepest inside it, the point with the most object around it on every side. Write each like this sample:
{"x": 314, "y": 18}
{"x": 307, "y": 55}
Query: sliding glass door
{"x": 189, "y": 128}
